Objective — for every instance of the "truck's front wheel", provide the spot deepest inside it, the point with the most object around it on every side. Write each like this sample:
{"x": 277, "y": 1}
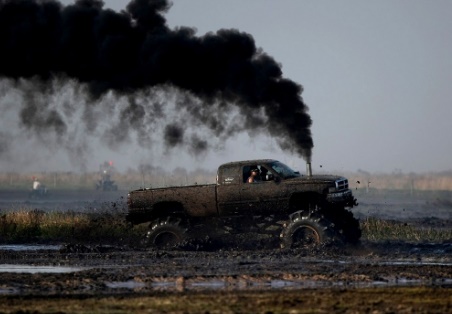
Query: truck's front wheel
{"x": 165, "y": 233}
{"x": 305, "y": 230}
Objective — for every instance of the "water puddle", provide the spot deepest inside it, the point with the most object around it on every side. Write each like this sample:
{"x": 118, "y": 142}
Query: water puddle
{"x": 216, "y": 284}
{"x": 415, "y": 263}
{"x": 407, "y": 262}
{"x": 130, "y": 284}
{"x": 31, "y": 269}
{"x": 211, "y": 284}
{"x": 29, "y": 247}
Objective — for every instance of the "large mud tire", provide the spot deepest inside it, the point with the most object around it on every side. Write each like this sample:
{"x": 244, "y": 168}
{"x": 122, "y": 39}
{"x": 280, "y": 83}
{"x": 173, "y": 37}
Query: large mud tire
{"x": 306, "y": 230}
{"x": 350, "y": 229}
{"x": 346, "y": 226}
{"x": 166, "y": 233}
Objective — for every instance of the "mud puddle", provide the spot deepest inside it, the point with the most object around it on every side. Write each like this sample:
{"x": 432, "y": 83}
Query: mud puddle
{"x": 32, "y": 269}
{"x": 77, "y": 268}
{"x": 278, "y": 284}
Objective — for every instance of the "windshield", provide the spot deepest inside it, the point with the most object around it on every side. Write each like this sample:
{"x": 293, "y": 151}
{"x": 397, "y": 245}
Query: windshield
{"x": 283, "y": 170}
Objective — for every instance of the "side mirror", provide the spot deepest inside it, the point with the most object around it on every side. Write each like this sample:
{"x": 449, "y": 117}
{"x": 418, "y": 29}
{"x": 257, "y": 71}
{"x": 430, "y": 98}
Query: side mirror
{"x": 268, "y": 177}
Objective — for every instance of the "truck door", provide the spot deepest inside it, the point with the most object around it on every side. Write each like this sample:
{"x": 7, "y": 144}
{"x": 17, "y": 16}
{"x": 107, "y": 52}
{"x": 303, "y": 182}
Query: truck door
{"x": 228, "y": 190}
{"x": 260, "y": 197}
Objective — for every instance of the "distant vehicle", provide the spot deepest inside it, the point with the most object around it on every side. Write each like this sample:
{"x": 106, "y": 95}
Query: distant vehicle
{"x": 301, "y": 210}
{"x": 106, "y": 183}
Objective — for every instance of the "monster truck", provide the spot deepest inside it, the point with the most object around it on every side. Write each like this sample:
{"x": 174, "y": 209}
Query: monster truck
{"x": 302, "y": 210}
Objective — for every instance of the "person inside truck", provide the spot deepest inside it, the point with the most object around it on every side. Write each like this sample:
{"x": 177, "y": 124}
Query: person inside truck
{"x": 254, "y": 177}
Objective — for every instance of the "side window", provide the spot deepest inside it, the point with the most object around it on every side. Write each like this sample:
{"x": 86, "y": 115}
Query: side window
{"x": 228, "y": 175}
{"x": 262, "y": 174}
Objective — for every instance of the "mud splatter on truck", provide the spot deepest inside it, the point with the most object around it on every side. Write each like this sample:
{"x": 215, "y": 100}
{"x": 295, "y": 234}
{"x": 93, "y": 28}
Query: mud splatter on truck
{"x": 298, "y": 209}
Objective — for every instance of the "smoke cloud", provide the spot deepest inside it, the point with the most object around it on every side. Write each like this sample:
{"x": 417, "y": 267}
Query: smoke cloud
{"x": 219, "y": 82}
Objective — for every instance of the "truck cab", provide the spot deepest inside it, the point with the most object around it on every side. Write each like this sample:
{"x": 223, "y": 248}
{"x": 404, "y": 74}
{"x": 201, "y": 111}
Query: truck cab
{"x": 276, "y": 187}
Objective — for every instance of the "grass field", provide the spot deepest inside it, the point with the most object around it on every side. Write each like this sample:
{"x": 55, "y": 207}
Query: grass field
{"x": 56, "y": 227}
{"x": 339, "y": 300}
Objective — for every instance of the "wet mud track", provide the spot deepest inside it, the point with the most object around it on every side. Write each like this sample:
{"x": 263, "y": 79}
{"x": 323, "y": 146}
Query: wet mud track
{"x": 73, "y": 270}
{"x": 80, "y": 272}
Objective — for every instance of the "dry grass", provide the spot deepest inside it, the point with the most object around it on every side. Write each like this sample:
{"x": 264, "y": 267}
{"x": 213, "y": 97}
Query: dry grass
{"x": 339, "y": 300}
{"x": 125, "y": 181}
{"x": 378, "y": 230}
{"x": 441, "y": 181}
{"x": 56, "y": 227}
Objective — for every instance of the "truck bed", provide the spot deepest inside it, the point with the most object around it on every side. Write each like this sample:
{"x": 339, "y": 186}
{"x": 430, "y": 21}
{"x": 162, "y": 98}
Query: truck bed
{"x": 198, "y": 200}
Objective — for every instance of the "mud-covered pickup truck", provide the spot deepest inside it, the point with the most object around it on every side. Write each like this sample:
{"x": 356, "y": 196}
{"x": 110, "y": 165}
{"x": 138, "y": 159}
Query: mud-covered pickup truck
{"x": 300, "y": 209}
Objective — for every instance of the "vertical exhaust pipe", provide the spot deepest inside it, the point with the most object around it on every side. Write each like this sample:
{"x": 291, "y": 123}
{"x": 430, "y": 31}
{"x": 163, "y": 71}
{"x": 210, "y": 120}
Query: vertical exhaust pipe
{"x": 308, "y": 169}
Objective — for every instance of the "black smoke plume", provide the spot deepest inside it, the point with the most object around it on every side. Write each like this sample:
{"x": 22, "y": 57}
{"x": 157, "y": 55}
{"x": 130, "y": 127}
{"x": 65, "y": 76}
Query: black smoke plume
{"x": 134, "y": 49}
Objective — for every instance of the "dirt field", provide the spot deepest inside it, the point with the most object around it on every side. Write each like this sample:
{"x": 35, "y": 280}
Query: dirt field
{"x": 238, "y": 277}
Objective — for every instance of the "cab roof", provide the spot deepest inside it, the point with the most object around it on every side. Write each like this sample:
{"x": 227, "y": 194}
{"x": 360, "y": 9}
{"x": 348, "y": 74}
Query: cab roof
{"x": 248, "y": 162}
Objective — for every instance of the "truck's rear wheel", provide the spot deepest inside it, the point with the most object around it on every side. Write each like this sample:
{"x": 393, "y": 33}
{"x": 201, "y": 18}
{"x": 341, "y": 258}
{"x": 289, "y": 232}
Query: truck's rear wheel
{"x": 165, "y": 233}
{"x": 305, "y": 230}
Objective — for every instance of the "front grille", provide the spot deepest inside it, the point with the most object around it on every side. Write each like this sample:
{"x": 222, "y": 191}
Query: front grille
{"x": 342, "y": 184}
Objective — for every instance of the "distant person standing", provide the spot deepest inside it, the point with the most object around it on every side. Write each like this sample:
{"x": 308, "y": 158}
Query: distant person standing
{"x": 38, "y": 188}
{"x": 36, "y": 184}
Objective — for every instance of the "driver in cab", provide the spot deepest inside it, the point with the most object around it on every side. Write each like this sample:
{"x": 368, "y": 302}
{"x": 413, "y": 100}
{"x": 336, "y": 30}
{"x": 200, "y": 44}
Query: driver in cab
{"x": 254, "y": 176}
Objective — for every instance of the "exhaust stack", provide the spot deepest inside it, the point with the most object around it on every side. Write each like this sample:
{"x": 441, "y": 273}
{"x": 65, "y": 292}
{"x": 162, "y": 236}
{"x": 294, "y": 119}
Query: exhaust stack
{"x": 308, "y": 169}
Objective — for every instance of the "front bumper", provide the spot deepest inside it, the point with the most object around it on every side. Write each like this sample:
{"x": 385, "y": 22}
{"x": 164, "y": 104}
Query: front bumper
{"x": 344, "y": 197}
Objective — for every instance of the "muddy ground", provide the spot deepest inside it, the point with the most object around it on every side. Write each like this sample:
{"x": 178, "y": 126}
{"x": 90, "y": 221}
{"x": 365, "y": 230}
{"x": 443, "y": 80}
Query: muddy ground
{"x": 76, "y": 271}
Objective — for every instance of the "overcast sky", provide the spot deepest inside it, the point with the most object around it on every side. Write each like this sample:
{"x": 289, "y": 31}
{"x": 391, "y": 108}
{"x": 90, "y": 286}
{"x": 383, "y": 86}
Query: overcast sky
{"x": 376, "y": 78}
